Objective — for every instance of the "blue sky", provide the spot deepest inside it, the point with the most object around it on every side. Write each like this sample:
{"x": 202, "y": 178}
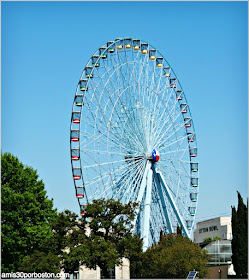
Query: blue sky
{"x": 45, "y": 46}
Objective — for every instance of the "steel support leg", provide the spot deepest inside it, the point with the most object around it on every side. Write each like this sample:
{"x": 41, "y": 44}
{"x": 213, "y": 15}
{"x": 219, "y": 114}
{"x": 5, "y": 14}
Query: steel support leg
{"x": 165, "y": 211}
{"x": 142, "y": 189}
{"x": 173, "y": 205}
{"x": 147, "y": 206}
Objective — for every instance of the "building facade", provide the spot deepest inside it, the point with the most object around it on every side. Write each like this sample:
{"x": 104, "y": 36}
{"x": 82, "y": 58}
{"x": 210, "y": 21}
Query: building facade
{"x": 118, "y": 272}
{"x": 221, "y": 227}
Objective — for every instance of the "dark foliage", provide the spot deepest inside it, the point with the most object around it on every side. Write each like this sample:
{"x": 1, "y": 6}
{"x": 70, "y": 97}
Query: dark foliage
{"x": 240, "y": 238}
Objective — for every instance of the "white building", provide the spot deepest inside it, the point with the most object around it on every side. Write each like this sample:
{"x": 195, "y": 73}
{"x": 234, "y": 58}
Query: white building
{"x": 221, "y": 226}
{"x": 119, "y": 272}
{"x": 220, "y": 251}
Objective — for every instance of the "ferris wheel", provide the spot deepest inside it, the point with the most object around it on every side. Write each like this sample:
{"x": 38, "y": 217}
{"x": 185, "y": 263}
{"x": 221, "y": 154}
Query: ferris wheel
{"x": 132, "y": 138}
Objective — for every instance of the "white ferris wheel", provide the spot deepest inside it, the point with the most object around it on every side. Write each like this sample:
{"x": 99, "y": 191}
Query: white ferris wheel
{"x": 132, "y": 138}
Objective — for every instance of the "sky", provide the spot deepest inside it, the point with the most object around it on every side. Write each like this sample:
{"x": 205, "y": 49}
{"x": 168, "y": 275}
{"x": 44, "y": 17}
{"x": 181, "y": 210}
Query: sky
{"x": 45, "y": 46}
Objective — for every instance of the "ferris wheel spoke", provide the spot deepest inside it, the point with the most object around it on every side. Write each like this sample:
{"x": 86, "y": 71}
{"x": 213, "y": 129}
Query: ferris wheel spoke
{"x": 139, "y": 175}
{"x": 107, "y": 131}
{"x": 165, "y": 125}
{"x": 133, "y": 174}
{"x": 173, "y": 129}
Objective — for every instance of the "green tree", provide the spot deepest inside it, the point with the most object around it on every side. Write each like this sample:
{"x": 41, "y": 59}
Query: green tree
{"x": 26, "y": 212}
{"x": 173, "y": 257}
{"x": 179, "y": 230}
{"x": 210, "y": 239}
{"x": 40, "y": 262}
{"x": 240, "y": 238}
{"x": 51, "y": 252}
{"x": 103, "y": 237}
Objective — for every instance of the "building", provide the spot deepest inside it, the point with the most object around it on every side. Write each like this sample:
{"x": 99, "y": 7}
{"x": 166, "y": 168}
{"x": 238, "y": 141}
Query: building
{"x": 221, "y": 227}
{"x": 119, "y": 272}
{"x": 220, "y": 251}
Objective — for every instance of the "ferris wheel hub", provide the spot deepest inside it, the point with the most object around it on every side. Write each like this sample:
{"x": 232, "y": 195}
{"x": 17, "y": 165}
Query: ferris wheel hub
{"x": 153, "y": 156}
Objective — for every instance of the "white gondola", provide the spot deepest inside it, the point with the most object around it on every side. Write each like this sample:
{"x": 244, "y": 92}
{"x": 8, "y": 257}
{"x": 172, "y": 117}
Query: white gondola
{"x": 83, "y": 84}
{"x": 159, "y": 62}
{"x": 75, "y": 134}
{"x": 79, "y": 100}
{"x": 191, "y": 136}
{"x": 193, "y": 197}
{"x": 192, "y": 210}
{"x": 144, "y": 48}
{"x": 102, "y": 52}
{"x": 183, "y": 108}
{"x": 152, "y": 54}
{"x": 119, "y": 43}
{"x": 178, "y": 95}
{"x": 173, "y": 82}
{"x": 83, "y": 209}
{"x": 136, "y": 44}
{"x": 75, "y": 154}
{"x": 76, "y": 173}
{"x": 95, "y": 61}
{"x": 76, "y": 117}
{"x": 188, "y": 122}
{"x": 89, "y": 71}
{"x": 194, "y": 166}
{"x": 166, "y": 71}
{"x": 193, "y": 151}
{"x": 127, "y": 43}
{"x": 79, "y": 192}
{"x": 111, "y": 46}
{"x": 189, "y": 224}
{"x": 194, "y": 182}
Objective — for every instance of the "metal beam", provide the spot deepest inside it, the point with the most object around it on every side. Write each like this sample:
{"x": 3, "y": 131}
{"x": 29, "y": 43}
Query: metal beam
{"x": 165, "y": 211}
{"x": 142, "y": 189}
{"x": 173, "y": 204}
{"x": 147, "y": 206}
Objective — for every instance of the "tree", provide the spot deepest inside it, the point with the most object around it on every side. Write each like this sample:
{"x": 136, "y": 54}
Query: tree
{"x": 210, "y": 239}
{"x": 27, "y": 212}
{"x": 240, "y": 238}
{"x": 179, "y": 230}
{"x": 173, "y": 257}
{"x": 51, "y": 252}
{"x": 103, "y": 237}
{"x": 40, "y": 262}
